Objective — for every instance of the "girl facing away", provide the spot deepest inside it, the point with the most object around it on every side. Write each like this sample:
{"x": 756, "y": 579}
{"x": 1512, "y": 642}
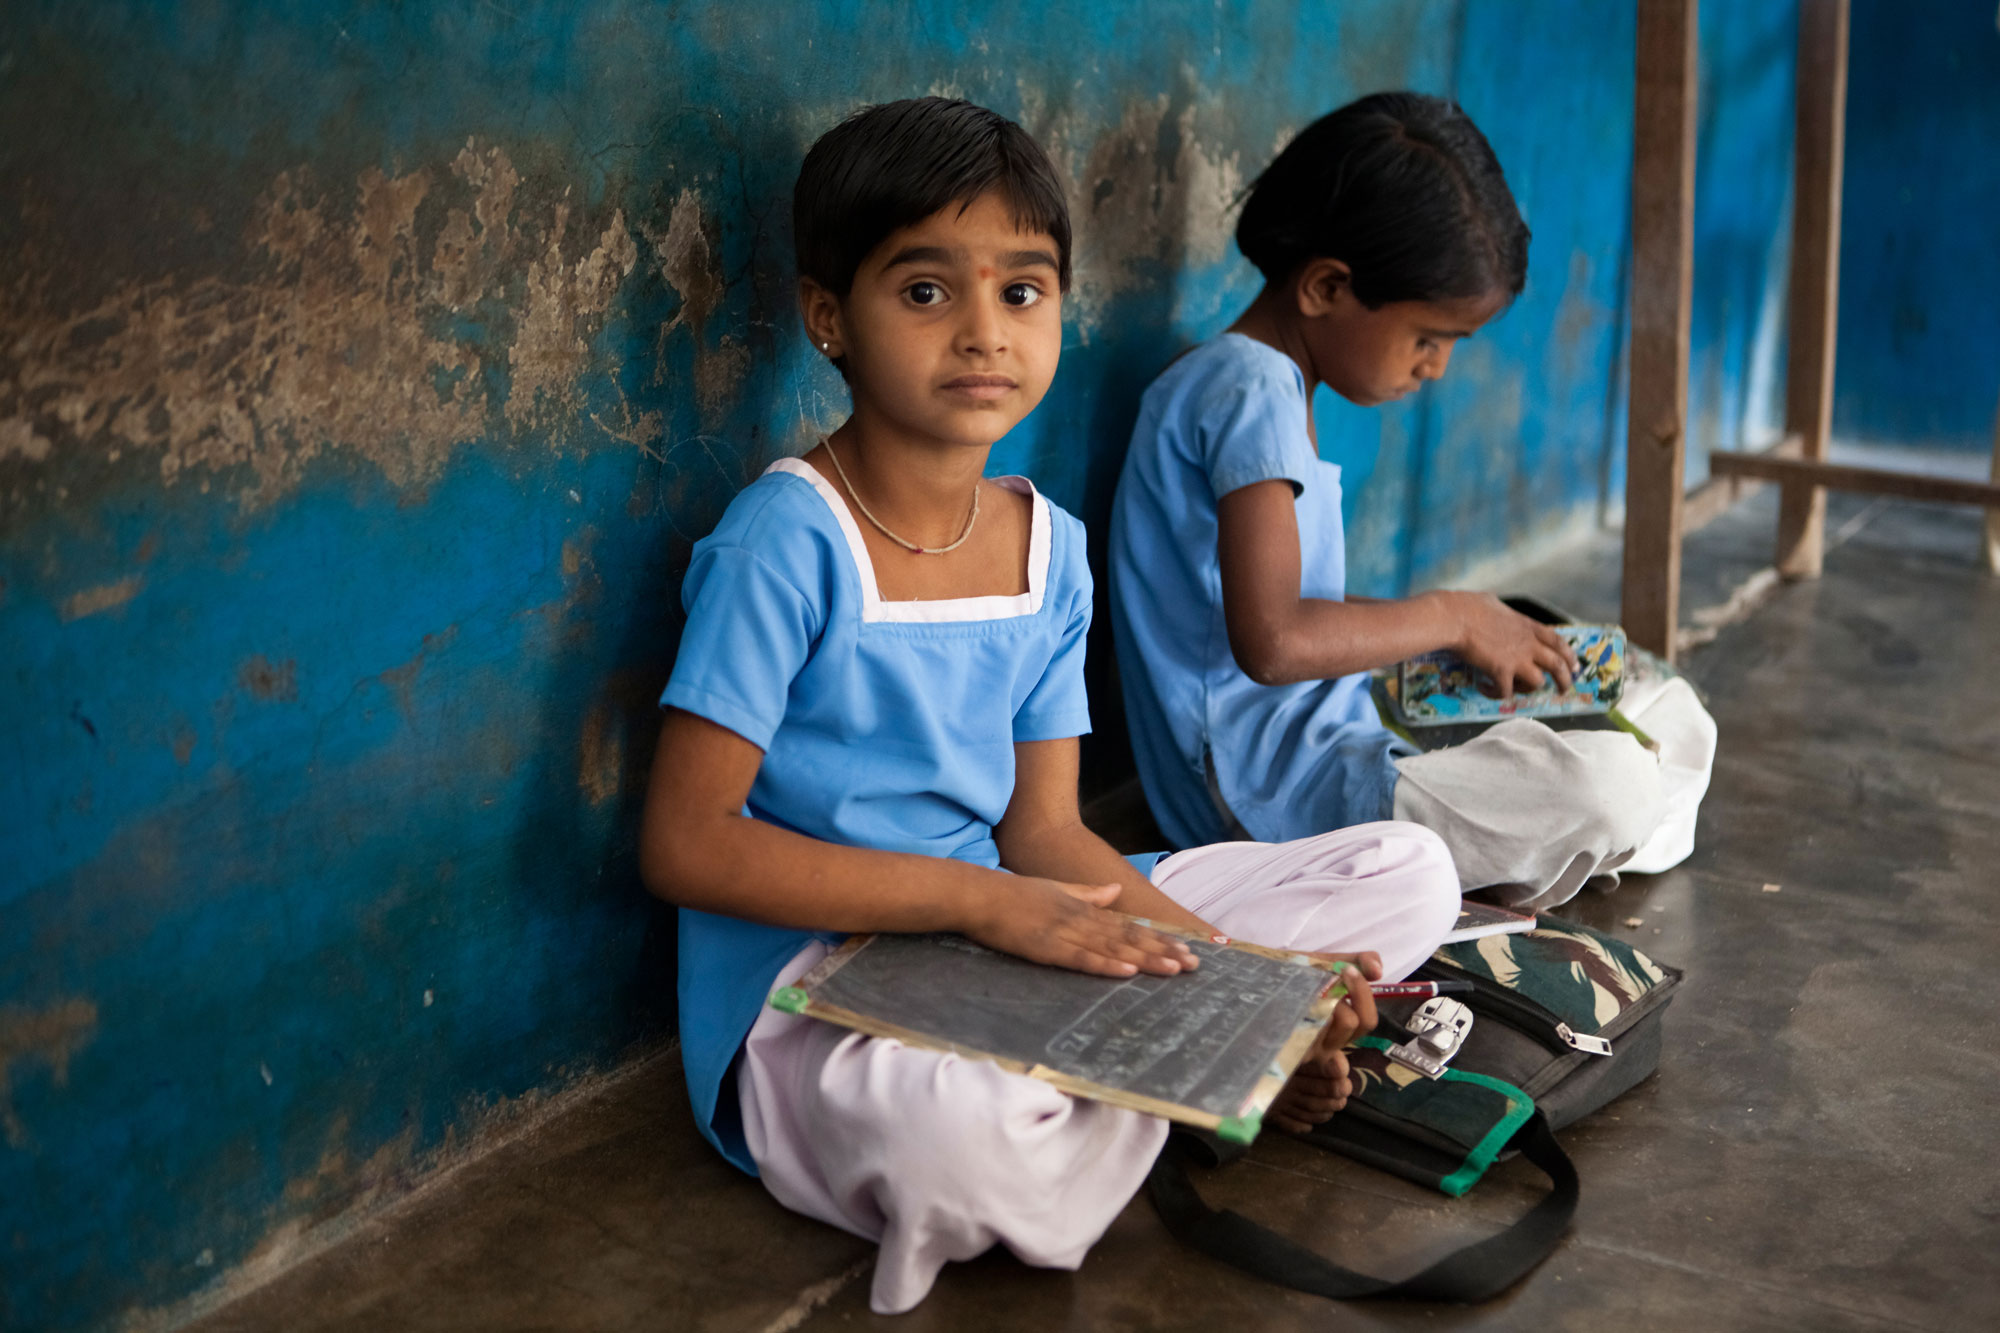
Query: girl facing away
{"x": 1385, "y": 233}
{"x": 872, "y": 725}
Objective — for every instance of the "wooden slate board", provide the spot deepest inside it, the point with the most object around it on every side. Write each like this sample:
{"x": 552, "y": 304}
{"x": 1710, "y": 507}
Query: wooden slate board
{"x": 1209, "y": 1048}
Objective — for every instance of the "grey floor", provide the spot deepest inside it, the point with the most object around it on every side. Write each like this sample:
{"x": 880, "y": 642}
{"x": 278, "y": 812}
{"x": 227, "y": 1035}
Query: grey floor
{"x": 1816, "y": 1151}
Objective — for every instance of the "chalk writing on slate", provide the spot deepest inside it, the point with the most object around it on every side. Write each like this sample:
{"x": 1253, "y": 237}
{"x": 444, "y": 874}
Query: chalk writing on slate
{"x": 1200, "y": 1040}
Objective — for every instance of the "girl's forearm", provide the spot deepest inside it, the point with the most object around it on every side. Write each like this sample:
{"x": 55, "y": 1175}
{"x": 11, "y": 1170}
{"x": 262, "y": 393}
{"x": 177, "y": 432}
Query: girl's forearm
{"x": 744, "y": 867}
{"x": 1279, "y": 637}
{"x": 1075, "y": 855}
{"x": 1318, "y": 639}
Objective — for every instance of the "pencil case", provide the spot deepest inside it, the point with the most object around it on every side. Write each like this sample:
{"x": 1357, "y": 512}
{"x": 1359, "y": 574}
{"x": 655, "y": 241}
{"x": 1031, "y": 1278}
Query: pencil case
{"x": 1442, "y": 688}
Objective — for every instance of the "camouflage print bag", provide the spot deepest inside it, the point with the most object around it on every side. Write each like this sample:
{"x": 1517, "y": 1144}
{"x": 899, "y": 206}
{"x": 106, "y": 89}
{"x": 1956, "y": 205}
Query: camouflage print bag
{"x": 1567, "y": 1018}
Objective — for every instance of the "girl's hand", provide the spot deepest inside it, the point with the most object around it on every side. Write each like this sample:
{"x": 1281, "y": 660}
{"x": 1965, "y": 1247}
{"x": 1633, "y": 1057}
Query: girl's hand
{"x": 1369, "y": 962}
{"x": 1047, "y": 921}
{"x": 1320, "y": 1085}
{"x": 1507, "y": 646}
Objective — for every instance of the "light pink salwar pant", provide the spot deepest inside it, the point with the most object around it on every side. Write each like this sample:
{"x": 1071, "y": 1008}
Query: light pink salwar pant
{"x": 939, "y": 1158}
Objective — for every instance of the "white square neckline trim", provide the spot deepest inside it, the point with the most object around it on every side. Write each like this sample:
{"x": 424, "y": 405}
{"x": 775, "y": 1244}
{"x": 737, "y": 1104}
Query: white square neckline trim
{"x": 946, "y": 610}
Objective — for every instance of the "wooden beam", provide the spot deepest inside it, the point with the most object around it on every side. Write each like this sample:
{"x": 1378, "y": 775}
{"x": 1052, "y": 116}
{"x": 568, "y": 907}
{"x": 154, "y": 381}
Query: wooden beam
{"x": 1812, "y": 473}
{"x": 1718, "y": 495}
{"x": 1817, "y": 153}
{"x": 1663, "y": 145}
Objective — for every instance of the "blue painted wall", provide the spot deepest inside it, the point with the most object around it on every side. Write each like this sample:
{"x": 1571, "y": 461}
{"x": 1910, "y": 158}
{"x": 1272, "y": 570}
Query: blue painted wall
{"x": 1918, "y": 357}
{"x": 366, "y": 373}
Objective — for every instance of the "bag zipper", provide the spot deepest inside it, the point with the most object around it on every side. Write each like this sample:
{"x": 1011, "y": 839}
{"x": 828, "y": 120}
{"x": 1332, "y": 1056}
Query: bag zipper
{"x": 1519, "y": 1012}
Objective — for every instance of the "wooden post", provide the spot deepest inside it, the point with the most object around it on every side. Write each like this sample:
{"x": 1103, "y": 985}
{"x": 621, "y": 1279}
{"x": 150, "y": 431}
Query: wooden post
{"x": 1815, "y": 297}
{"x": 1993, "y": 515}
{"x": 1663, "y": 145}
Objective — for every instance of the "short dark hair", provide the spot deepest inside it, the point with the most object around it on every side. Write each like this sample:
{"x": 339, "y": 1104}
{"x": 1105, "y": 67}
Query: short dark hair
{"x": 1400, "y": 187}
{"x": 888, "y": 166}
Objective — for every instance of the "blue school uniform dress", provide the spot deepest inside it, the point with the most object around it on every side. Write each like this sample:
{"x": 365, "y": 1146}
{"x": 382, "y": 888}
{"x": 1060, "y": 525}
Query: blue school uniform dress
{"x": 1220, "y": 755}
{"x": 888, "y": 725}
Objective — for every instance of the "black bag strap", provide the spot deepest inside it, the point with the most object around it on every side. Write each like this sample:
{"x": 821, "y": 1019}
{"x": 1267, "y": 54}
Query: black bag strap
{"x": 1475, "y": 1273}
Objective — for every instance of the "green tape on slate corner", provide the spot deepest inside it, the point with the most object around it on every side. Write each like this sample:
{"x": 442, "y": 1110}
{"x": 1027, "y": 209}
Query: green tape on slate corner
{"x": 790, "y": 999}
{"x": 1240, "y": 1128}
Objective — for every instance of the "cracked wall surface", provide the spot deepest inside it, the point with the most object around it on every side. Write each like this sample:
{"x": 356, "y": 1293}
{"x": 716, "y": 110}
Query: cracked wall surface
{"x": 365, "y": 377}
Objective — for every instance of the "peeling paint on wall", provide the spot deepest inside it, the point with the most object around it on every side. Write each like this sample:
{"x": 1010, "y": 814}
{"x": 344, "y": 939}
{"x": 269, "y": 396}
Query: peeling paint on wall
{"x": 685, "y": 258}
{"x": 600, "y": 756}
{"x": 401, "y": 680}
{"x": 49, "y": 1036}
{"x": 104, "y": 597}
{"x": 686, "y": 261}
{"x": 563, "y": 298}
{"x": 339, "y": 339}
{"x": 1141, "y": 214}
{"x": 273, "y": 682}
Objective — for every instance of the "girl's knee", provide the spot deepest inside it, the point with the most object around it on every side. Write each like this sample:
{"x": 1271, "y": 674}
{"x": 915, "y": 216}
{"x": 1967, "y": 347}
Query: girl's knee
{"x": 1628, "y": 801}
{"x": 1427, "y": 875}
{"x": 1441, "y": 890}
{"x": 1401, "y": 845}
{"x": 1427, "y": 858}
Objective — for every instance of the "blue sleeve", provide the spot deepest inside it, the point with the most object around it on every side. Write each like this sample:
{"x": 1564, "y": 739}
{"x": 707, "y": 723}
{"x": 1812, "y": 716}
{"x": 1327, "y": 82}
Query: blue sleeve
{"x": 1254, "y": 429}
{"x": 749, "y": 632}
{"x": 1056, "y": 707}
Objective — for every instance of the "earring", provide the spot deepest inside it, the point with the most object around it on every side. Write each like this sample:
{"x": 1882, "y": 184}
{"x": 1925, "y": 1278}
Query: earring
{"x": 823, "y": 347}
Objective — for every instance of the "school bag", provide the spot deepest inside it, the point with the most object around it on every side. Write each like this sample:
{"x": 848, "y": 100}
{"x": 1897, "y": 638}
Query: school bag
{"x": 1567, "y": 1018}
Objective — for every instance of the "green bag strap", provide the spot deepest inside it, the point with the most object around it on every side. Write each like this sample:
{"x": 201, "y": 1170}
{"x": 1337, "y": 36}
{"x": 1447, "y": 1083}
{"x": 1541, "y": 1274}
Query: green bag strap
{"x": 1520, "y": 1106}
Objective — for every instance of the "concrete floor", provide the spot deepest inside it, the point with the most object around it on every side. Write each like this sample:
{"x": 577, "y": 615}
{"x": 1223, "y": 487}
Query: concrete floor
{"x": 1816, "y": 1151}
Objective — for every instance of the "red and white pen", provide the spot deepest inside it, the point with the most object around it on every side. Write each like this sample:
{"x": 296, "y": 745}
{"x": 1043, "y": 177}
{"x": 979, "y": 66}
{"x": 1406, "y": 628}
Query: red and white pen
{"x": 1419, "y": 990}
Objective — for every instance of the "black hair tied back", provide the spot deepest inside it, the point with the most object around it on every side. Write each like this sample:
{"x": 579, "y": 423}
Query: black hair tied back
{"x": 1400, "y": 187}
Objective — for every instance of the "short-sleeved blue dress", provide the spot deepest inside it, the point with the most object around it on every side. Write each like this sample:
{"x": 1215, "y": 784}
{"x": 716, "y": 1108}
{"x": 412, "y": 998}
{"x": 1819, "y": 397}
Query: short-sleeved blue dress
{"x": 888, "y": 725}
{"x": 1219, "y": 754}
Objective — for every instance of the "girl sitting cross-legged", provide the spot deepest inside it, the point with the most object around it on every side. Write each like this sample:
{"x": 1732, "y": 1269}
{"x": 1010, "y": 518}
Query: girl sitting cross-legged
{"x": 1386, "y": 234}
{"x": 871, "y": 726}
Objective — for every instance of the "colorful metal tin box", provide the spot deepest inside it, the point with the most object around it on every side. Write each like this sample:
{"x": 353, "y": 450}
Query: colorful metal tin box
{"x": 1442, "y": 687}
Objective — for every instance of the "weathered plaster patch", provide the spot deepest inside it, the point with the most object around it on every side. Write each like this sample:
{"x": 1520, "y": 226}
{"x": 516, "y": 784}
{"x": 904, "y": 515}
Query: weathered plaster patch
{"x": 641, "y": 430}
{"x": 686, "y": 260}
{"x": 104, "y": 597}
{"x": 275, "y": 682}
{"x": 335, "y": 332}
{"x": 1580, "y": 321}
{"x": 718, "y": 375}
{"x": 1140, "y": 213}
{"x": 600, "y": 755}
{"x": 401, "y": 681}
{"x": 582, "y": 583}
{"x": 1211, "y": 185}
{"x": 51, "y": 1035}
{"x": 19, "y": 437}
{"x": 337, "y": 1181}
{"x": 684, "y": 255}
{"x": 576, "y": 551}
{"x": 549, "y": 350}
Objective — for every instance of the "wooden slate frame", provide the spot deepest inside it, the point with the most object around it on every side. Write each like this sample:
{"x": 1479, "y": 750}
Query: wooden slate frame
{"x": 1240, "y": 1128}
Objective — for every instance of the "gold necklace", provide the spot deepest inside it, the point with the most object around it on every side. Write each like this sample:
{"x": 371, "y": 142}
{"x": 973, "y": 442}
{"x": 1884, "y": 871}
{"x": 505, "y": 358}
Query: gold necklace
{"x": 883, "y": 528}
